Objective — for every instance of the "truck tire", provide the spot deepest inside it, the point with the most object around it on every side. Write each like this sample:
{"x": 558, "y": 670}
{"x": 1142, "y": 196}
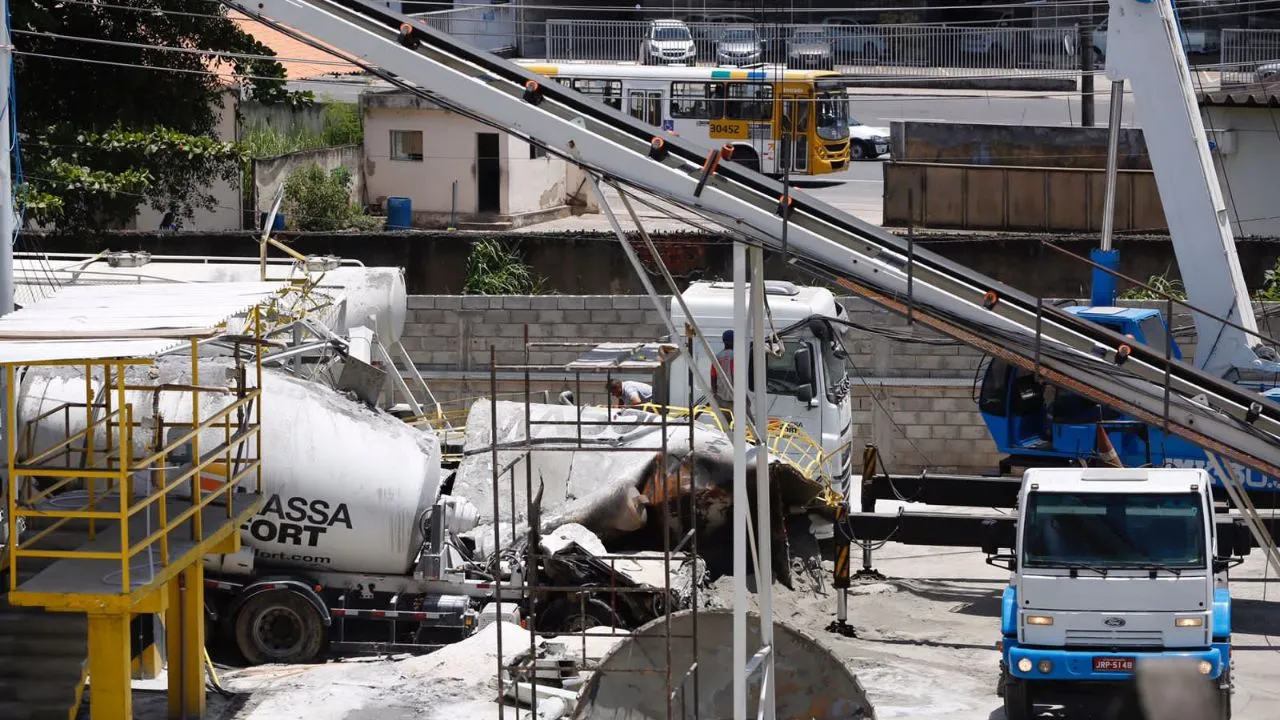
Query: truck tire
{"x": 279, "y": 627}
{"x": 564, "y": 615}
{"x": 1018, "y": 701}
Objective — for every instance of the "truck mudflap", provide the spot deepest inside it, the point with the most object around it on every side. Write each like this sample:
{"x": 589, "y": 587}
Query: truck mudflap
{"x": 1055, "y": 664}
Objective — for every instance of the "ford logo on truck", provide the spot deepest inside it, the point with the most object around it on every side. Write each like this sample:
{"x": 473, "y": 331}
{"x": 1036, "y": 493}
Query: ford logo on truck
{"x": 1114, "y": 622}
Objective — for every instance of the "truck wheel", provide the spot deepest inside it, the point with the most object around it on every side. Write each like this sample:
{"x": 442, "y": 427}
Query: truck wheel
{"x": 1018, "y": 703}
{"x": 570, "y": 616}
{"x": 279, "y": 627}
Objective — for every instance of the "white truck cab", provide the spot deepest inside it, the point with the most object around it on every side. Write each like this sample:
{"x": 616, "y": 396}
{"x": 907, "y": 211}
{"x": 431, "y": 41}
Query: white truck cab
{"x": 807, "y": 383}
{"x": 1112, "y": 567}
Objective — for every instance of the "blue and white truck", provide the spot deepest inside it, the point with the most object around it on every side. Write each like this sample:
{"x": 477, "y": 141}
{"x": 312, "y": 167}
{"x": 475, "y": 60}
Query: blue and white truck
{"x": 1113, "y": 567}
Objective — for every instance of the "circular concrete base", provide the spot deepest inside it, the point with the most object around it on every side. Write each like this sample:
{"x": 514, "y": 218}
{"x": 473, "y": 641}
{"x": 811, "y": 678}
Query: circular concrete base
{"x": 632, "y": 682}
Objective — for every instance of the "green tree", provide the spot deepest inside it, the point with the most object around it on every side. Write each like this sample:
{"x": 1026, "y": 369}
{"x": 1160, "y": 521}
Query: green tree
{"x": 136, "y": 123}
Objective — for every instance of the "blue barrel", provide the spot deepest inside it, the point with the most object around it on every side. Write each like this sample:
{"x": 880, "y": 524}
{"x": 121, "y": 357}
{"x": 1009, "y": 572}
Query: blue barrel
{"x": 399, "y": 213}
{"x": 277, "y": 225}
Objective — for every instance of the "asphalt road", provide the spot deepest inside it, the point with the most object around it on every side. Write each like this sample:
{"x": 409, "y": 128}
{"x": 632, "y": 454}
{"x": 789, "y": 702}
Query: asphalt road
{"x": 860, "y": 189}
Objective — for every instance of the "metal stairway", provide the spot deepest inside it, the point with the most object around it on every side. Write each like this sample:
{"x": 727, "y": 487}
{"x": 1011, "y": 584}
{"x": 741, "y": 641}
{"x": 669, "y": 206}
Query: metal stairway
{"x": 43, "y": 655}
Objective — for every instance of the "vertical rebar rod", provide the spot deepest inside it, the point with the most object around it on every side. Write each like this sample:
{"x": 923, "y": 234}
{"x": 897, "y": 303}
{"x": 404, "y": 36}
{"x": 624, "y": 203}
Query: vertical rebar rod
{"x": 764, "y": 524}
{"x": 740, "y": 369}
{"x": 1113, "y": 161}
{"x": 497, "y": 515}
{"x": 531, "y": 542}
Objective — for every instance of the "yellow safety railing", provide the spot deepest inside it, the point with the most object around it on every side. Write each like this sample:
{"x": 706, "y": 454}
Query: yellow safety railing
{"x": 100, "y": 457}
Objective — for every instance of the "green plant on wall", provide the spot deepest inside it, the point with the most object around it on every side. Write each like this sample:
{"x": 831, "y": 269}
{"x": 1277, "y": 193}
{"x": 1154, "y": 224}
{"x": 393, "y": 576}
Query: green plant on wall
{"x": 1161, "y": 285}
{"x": 497, "y": 269}
{"x": 343, "y": 125}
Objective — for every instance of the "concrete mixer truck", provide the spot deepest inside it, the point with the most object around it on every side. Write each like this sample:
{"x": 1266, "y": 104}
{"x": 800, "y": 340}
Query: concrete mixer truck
{"x": 353, "y": 547}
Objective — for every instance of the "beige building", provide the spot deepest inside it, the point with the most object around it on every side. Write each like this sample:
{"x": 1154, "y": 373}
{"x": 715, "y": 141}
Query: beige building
{"x": 448, "y": 164}
{"x": 1244, "y": 128}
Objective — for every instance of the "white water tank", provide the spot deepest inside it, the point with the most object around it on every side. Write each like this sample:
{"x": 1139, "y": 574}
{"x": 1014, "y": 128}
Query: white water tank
{"x": 345, "y": 485}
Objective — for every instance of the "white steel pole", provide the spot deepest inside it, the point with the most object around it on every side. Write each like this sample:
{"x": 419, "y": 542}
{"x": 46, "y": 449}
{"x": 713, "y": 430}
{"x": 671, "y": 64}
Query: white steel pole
{"x": 6, "y": 180}
{"x": 764, "y": 553}
{"x": 740, "y": 501}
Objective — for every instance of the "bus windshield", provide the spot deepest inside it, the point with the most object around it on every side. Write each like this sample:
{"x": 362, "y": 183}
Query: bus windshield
{"x": 833, "y": 116}
{"x": 1114, "y": 530}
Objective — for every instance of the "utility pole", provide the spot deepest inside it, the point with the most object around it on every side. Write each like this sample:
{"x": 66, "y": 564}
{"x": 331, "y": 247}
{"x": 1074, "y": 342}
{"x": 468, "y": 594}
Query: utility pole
{"x": 6, "y": 179}
{"x": 1084, "y": 43}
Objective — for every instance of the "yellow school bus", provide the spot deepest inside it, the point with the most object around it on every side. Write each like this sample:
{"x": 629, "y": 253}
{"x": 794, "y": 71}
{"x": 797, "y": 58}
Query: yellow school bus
{"x": 754, "y": 109}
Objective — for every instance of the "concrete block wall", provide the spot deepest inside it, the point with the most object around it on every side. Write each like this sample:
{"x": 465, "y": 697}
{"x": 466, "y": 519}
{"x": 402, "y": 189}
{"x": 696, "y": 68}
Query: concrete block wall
{"x": 455, "y": 332}
{"x": 914, "y": 400}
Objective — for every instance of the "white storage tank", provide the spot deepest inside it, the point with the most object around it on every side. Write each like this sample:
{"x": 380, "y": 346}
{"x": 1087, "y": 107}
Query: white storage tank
{"x": 346, "y": 486}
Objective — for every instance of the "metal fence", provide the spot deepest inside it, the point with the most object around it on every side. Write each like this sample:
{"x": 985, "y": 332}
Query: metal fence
{"x": 838, "y": 46}
{"x": 495, "y": 28}
{"x": 1250, "y": 56}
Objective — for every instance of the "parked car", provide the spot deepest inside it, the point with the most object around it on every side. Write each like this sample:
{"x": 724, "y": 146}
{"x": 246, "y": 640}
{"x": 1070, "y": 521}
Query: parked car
{"x": 739, "y": 45}
{"x": 867, "y": 142}
{"x": 668, "y": 42}
{"x": 1193, "y": 41}
{"x": 707, "y": 27}
{"x": 808, "y": 49}
{"x": 1267, "y": 74}
{"x": 853, "y": 38}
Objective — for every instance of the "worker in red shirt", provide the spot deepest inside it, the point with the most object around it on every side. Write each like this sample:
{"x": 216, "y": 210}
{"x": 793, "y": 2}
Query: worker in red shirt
{"x": 721, "y": 390}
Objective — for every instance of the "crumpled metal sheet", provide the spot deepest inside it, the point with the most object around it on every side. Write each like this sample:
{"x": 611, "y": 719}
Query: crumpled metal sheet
{"x": 599, "y": 475}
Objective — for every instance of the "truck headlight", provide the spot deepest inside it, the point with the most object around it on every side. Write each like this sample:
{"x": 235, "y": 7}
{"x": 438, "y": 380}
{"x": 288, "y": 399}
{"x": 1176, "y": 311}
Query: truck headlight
{"x": 1045, "y": 666}
{"x": 1206, "y": 667}
{"x": 1025, "y": 665}
{"x": 1189, "y": 622}
{"x": 1039, "y": 620}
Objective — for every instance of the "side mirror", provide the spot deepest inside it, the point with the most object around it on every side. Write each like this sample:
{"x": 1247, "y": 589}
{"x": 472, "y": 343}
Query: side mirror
{"x": 804, "y": 365}
{"x": 1220, "y": 565}
{"x": 990, "y": 543}
{"x": 804, "y": 393}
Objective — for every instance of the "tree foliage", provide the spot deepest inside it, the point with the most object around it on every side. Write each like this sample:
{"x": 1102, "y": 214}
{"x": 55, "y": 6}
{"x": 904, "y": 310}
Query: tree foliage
{"x": 128, "y": 123}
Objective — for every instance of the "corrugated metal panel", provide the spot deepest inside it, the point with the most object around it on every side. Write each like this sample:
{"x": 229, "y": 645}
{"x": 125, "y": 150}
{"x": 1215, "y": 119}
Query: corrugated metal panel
{"x": 116, "y": 321}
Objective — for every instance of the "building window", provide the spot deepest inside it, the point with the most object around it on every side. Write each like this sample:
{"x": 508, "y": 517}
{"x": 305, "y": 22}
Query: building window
{"x": 406, "y": 145}
{"x": 608, "y": 92}
{"x": 536, "y": 151}
{"x": 750, "y": 101}
{"x": 702, "y": 101}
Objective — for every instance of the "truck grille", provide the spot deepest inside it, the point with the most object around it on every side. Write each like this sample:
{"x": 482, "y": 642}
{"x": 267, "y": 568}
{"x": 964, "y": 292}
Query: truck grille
{"x": 1106, "y": 638}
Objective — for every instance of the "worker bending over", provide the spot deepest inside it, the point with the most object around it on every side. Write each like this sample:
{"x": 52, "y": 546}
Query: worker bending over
{"x": 631, "y": 392}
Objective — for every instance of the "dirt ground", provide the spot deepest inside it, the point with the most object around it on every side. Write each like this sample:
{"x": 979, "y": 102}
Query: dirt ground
{"x": 924, "y": 649}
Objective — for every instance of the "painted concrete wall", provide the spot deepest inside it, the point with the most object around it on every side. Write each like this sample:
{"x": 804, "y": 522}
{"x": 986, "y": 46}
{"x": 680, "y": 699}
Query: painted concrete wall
{"x": 269, "y": 174}
{"x": 1246, "y": 167}
{"x": 449, "y": 148}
